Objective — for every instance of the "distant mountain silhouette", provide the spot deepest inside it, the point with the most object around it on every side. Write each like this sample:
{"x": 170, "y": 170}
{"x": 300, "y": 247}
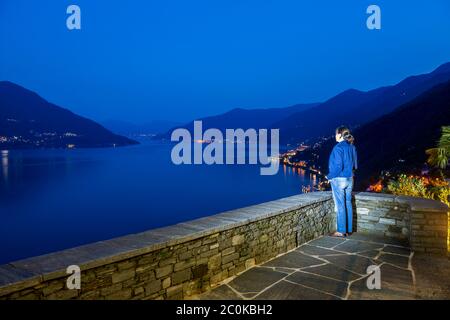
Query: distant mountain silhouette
{"x": 29, "y": 121}
{"x": 245, "y": 118}
{"x": 398, "y": 140}
{"x": 131, "y": 129}
{"x": 354, "y": 107}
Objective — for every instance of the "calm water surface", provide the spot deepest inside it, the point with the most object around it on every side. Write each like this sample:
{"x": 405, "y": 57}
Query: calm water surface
{"x": 56, "y": 199}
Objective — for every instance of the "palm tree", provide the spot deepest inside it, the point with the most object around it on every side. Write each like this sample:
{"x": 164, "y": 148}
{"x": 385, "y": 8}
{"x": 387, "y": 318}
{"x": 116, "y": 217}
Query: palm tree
{"x": 439, "y": 156}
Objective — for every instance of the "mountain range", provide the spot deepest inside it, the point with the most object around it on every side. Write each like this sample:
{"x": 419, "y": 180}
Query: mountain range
{"x": 29, "y": 121}
{"x": 309, "y": 122}
{"x": 354, "y": 107}
{"x": 131, "y": 129}
{"x": 245, "y": 118}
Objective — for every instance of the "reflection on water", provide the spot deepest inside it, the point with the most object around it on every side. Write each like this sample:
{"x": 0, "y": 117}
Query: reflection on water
{"x": 288, "y": 170}
{"x": 5, "y": 154}
{"x": 313, "y": 178}
{"x": 307, "y": 177}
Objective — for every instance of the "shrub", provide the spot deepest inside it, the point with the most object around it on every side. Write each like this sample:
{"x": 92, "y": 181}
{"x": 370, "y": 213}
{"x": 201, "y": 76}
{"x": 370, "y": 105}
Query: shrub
{"x": 424, "y": 187}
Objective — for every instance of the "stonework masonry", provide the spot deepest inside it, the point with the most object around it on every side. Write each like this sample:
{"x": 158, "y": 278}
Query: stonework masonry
{"x": 188, "y": 258}
{"x": 421, "y": 222}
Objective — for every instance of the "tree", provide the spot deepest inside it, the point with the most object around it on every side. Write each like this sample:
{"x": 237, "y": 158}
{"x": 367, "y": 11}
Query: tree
{"x": 439, "y": 156}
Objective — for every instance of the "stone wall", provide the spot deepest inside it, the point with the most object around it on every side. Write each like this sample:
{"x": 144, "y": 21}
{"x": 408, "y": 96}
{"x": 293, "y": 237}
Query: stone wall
{"x": 422, "y": 222}
{"x": 176, "y": 261}
{"x": 381, "y": 214}
{"x": 429, "y": 229}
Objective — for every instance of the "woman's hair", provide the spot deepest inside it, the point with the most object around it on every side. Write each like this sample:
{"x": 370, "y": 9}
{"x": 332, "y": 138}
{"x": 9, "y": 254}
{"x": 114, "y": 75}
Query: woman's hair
{"x": 345, "y": 133}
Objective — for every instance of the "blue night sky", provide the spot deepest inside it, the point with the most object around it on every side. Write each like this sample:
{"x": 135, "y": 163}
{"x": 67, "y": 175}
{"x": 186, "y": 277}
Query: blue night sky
{"x": 177, "y": 59}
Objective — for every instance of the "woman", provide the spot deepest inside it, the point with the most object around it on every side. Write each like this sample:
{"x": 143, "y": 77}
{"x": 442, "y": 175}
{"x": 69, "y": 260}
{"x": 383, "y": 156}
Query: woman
{"x": 342, "y": 162}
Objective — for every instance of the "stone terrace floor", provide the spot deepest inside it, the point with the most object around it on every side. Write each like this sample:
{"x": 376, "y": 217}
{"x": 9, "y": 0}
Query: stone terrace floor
{"x": 335, "y": 268}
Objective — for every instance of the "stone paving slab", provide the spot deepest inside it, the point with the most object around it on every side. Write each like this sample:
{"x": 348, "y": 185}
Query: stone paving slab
{"x": 379, "y": 239}
{"x": 397, "y": 250}
{"x": 334, "y": 272}
{"x": 396, "y": 283}
{"x": 315, "y": 251}
{"x": 285, "y": 290}
{"x": 326, "y": 242}
{"x": 359, "y": 291}
{"x": 371, "y": 254}
{"x": 293, "y": 259}
{"x": 255, "y": 280}
{"x": 396, "y": 276}
{"x": 284, "y": 270}
{"x": 354, "y": 246}
{"x": 355, "y": 263}
{"x": 395, "y": 259}
{"x": 325, "y": 284}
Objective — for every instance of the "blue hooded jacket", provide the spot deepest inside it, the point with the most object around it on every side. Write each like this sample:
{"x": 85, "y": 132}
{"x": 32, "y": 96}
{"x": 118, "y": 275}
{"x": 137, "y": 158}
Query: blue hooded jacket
{"x": 343, "y": 160}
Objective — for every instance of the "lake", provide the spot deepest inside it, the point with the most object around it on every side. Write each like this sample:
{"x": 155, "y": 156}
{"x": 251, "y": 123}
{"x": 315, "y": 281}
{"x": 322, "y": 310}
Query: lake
{"x": 56, "y": 199}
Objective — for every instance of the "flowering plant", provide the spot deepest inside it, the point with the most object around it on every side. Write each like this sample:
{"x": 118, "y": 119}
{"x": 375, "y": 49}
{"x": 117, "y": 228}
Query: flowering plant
{"x": 424, "y": 187}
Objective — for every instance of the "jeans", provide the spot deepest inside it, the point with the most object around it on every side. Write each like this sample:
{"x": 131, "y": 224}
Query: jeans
{"x": 342, "y": 196}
